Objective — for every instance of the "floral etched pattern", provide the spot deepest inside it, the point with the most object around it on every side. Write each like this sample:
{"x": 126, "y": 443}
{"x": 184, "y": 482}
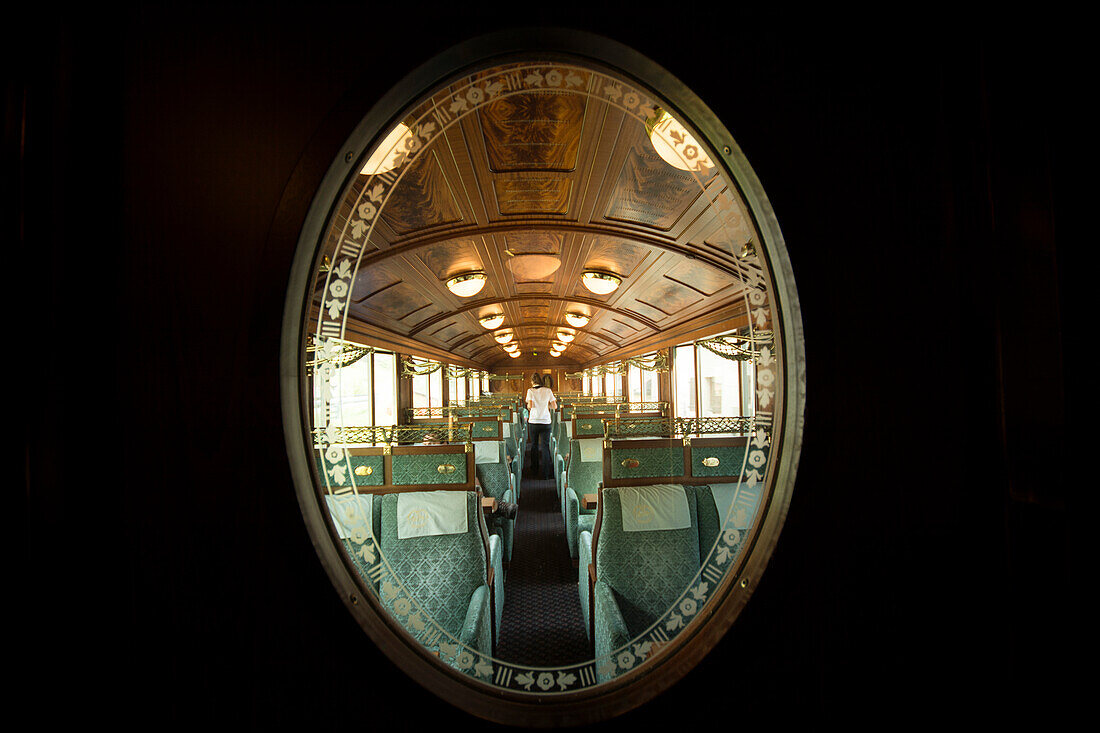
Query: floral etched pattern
{"x": 349, "y": 238}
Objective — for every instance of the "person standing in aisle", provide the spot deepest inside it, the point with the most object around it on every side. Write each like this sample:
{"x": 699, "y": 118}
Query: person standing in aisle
{"x": 540, "y": 401}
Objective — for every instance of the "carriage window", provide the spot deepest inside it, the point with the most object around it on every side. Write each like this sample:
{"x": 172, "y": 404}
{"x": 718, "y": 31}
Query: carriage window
{"x": 683, "y": 368}
{"x": 634, "y": 383}
{"x": 613, "y": 385}
{"x": 428, "y": 388}
{"x": 475, "y": 388}
{"x": 649, "y": 386}
{"x": 456, "y": 389}
{"x": 587, "y": 385}
{"x": 385, "y": 389}
{"x": 719, "y": 384}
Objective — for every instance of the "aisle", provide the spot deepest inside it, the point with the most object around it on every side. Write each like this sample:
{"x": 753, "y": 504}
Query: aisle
{"x": 541, "y": 622}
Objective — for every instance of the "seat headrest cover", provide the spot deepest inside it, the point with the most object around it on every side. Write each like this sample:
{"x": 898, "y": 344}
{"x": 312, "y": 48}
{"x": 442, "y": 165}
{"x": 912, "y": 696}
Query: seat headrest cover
{"x": 507, "y": 427}
{"x": 487, "y": 451}
{"x": 352, "y": 516}
{"x": 428, "y": 513}
{"x": 647, "y": 508}
{"x": 591, "y": 449}
{"x": 568, "y": 429}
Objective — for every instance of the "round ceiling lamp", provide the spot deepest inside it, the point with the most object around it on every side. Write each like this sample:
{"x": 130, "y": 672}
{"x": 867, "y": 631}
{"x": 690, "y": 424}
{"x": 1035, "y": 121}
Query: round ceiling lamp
{"x": 514, "y": 354}
{"x": 469, "y": 284}
{"x": 511, "y": 347}
{"x": 577, "y": 320}
{"x": 555, "y": 354}
{"x": 389, "y": 153}
{"x": 566, "y": 337}
{"x": 503, "y": 338}
{"x": 674, "y": 143}
{"x": 600, "y": 283}
{"x": 490, "y": 322}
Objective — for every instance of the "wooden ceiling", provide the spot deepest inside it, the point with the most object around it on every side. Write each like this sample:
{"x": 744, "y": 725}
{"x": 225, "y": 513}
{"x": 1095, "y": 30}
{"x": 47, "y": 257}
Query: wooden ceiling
{"x": 533, "y": 189}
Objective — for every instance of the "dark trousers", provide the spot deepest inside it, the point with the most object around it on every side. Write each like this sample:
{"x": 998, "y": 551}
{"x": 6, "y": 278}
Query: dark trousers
{"x": 541, "y": 465}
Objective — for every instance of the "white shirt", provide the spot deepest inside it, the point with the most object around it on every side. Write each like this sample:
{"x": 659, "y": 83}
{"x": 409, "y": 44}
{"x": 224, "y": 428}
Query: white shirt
{"x": 538, "y": 404}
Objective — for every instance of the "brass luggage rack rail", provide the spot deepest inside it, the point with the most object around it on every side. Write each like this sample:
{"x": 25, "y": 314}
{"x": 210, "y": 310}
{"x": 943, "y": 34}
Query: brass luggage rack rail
{"x": 393, "y": 434}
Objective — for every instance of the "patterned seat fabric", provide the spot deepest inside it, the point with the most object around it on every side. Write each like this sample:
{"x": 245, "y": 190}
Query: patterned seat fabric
{"x": 582, "y": 477}
{"x": 442, "y": 578}
{"x": 639, "y": 575}
{"x": 495, "y": 482}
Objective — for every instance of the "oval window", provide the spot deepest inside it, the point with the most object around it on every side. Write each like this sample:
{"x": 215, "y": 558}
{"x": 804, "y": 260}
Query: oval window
{"x": 566, "y": 210}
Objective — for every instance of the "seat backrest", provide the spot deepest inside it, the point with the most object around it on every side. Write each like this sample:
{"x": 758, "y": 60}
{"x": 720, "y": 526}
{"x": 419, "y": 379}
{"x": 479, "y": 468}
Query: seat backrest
{"x": 436, "y": 550}
{"x": 585, "y": 470}
{"x": 491, "y": 467}
{"x": 646, "y": 548}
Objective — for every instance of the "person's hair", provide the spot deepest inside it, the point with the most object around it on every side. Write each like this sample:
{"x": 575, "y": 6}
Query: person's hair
{"x": 536, "y": 380}
{"x": 547, "y": 381}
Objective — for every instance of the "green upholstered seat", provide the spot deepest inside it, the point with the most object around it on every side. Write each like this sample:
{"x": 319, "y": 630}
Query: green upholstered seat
{"x": 584, "y": 554}
{"x": 495, "y": 478}
{"x": 582, "y": 477}
{"x": 639, "y": 574}
{"x": 440, "y": 577}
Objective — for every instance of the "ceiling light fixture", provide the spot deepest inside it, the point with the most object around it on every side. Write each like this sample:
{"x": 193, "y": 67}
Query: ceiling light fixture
{"x": 566, "y": 337}
{"x": 600, "y": 283}
{"x": 577, "y": 320}
{"x": 674, "y": 143}
{"x": 511, "y": 347}
{"x": 555, "y": 354}
{"x": 513, "y": 354}
{"x": 503, "y": 338}
{"x": 491, "y": 322}
{"x": 466, "y": 285}
{"x": 390, "y": 152}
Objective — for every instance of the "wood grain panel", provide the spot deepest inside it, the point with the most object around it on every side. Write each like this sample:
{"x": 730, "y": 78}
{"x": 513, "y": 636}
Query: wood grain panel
{"x": 650, "y": 192}
{"x": 422, "y": 199}
{"x": 669, "y": 297}
{"x": 535, "y": 312}
{"x": 616, "y": 255}
{"x": 701, "y": 279}
{"x": 533, "y": 131}
{"x": 535, "y": 287}
{"x": 370, "y": 281}
{"x": 447, "y": 259}
{"x": 532, "y": 193}
{"x": 398, "y": 301}
{"x": 536, "y": 242}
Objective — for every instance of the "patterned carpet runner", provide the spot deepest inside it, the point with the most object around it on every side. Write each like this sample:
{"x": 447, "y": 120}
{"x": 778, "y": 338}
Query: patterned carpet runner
{"x": 541, "y": 624}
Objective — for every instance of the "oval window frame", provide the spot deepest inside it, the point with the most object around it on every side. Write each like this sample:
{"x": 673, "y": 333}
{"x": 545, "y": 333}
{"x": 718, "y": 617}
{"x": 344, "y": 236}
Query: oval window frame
{"x": 608, "y": 699}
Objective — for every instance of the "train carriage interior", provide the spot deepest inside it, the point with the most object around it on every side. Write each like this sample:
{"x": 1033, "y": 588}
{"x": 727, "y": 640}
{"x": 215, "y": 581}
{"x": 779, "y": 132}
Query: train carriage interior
{"x": 539, "y": 224}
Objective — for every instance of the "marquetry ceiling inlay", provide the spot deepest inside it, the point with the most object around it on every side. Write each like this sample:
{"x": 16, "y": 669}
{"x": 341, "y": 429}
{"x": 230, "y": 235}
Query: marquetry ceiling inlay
{"x": 532, "y": 189}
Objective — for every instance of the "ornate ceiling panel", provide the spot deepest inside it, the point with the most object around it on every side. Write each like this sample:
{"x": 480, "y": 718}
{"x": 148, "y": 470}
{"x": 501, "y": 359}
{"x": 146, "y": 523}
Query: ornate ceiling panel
{"x": 532, "y": 189}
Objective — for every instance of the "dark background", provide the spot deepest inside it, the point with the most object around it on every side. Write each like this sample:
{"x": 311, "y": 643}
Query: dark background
{"x": 158, "y": 161}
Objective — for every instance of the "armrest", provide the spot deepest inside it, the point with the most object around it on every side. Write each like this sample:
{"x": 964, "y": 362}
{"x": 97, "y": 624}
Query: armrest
{"x": 572, "y": 512}
{"x": 496, "y": 560}
{"x": 584, "y": 557}
{"x": 476, "y": 632}
{"x": 610, "y": 634}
